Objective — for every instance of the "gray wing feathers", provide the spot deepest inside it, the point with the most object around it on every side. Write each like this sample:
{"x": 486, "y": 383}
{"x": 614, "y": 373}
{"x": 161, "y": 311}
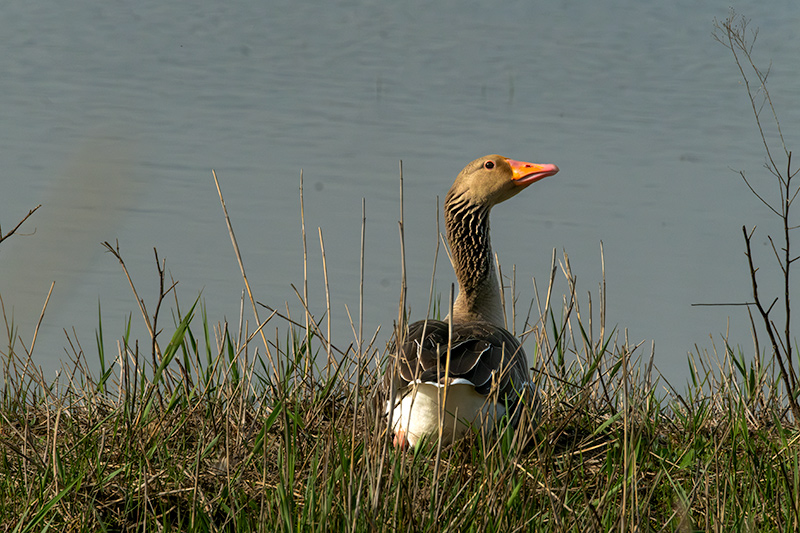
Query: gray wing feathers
{"x": 483, "y": 354}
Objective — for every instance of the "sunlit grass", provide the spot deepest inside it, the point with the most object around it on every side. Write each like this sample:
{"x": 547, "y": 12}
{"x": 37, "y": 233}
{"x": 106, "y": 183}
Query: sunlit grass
{"x": 203, "y": 433}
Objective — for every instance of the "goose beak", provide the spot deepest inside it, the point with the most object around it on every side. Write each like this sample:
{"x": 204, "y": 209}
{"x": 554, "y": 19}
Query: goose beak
{"x": 527, "y": 173}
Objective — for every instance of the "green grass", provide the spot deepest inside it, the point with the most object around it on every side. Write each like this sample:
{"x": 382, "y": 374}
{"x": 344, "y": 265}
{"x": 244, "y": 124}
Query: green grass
{"x": 203, "y": 433}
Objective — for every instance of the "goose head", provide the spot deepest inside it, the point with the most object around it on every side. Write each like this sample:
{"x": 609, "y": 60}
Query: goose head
{"x": 492, "y": 179}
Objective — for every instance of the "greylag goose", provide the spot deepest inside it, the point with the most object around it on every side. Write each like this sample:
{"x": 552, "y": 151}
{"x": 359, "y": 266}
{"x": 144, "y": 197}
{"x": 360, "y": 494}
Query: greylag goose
{"x": 487, "y": 375}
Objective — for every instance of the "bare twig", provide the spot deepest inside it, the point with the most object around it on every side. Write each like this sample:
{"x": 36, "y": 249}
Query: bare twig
{"x": 15, "y": 228}
{"x": 733, "y": 34}
{"x": 789, "y": 379}
{"x": 114, "y": 250}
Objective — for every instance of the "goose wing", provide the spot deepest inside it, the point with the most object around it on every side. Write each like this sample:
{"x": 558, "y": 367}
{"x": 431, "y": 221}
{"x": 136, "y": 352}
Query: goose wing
{"x": 480, "y": 353}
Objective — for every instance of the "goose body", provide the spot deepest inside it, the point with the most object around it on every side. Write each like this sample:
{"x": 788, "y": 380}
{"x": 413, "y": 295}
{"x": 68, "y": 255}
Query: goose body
{"x": 487, "y": 374}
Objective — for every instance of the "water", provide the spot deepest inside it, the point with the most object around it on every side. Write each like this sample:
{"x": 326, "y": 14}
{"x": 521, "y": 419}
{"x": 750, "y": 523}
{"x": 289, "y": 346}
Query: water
{"x": 115, "y": 114}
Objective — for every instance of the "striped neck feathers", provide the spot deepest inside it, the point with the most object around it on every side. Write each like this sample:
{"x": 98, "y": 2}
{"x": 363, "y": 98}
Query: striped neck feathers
{"x": 467, "y": 227}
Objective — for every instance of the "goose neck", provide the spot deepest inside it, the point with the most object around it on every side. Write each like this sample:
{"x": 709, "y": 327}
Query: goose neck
{"x": 467, "y": 226}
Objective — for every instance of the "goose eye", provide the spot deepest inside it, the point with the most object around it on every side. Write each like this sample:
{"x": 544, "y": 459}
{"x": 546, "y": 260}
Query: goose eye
{"x": 489, "y": 165}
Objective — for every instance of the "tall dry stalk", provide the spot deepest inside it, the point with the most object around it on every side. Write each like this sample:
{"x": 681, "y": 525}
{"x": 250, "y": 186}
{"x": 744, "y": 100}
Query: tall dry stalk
{"x": 235, "y": 244}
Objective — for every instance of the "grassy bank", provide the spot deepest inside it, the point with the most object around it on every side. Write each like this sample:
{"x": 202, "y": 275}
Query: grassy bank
{"x": 270, "y": 424}
{"x": 199, "y": 431}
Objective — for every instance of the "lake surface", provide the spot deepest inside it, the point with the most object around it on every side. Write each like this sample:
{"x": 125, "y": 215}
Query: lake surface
{"x": 114, "y": 115}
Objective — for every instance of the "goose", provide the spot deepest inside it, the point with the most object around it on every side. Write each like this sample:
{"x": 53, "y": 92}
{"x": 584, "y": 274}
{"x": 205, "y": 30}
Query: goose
{"x": 487, "y": 375}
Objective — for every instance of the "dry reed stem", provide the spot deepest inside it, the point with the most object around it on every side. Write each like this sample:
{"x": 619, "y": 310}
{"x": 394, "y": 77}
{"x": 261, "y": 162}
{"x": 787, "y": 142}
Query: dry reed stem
{"x": 41, "y": 318}
{"x": 328, "y": 351}
{"x": 244, "y": 275}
